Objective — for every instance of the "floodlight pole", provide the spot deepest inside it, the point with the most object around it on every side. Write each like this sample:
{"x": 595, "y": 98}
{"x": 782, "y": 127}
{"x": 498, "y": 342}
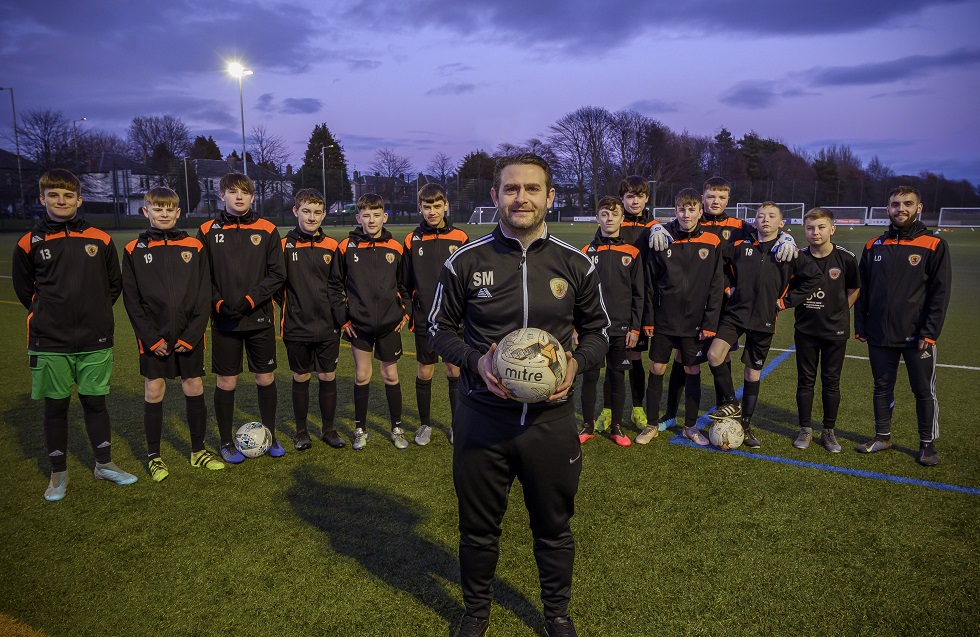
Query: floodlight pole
{"x": 20, "y": 175}
{"x": 74, "y": 129}
{"x": 237, "y": 70}
{"x": 323, "y": 168}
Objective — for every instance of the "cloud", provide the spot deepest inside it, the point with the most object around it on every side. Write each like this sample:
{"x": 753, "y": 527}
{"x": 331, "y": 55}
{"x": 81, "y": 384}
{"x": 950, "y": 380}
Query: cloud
{"x": 362, "y": 65}
{"x": 301, "y": 105}
{"x": 912, "y": 92}
{"x": 453, "y": 68}
{"x": 452, "y": 88}
{"x": 758, "y": 94}
{"x": 264, "y": 103}
{"x": 583, "y": 26}
{"x": 654, "y": 107}
{"x": 906, "y": 68}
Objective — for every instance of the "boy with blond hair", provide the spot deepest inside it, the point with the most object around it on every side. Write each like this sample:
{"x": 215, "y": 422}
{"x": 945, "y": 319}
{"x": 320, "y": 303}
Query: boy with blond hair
{"x": 369, "y": 301}
{"x": 757, "y": 290}
{"x": 308, "y": 330}
{"x": 244, "y": 253}
{"x": 620, "y": 272}
{"x": 167, "y": 294}
{"x": 426, "y": 250}
{"x": 66, "y": 274}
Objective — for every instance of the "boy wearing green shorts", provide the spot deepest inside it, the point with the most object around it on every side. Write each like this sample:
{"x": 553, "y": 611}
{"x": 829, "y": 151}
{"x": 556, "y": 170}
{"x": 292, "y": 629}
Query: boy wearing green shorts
{"x": 66, "y": 273}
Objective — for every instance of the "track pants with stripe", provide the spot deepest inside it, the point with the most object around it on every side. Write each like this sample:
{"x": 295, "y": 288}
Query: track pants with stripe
{"x": 921, "y": 365}
{"x": 487, "y": 456}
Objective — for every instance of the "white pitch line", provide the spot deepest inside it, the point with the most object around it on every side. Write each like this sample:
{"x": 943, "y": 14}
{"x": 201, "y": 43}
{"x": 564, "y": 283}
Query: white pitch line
{"x": 864, "y": 358}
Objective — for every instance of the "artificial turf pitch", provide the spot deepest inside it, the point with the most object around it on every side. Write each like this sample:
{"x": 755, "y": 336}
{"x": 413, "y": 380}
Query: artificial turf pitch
{"x": 671, "y": 539}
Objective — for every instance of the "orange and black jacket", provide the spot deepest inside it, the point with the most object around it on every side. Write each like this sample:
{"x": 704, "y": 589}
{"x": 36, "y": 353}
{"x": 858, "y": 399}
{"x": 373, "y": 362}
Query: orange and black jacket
{"x": 906, "y": 277}
{"x": 762, "y": 283}
{"x": 66, "y": 273}
{"x": 685, "y": 284}
{"x": 166, "y": 289}
{"x": 620, "y": 272}
{"x": 306, "y": 313}
{"x": 728, "y": 229}
{"x": 245, "y": 257}
{"x": 426, "y": 251}
{"x": 367, "y": 287}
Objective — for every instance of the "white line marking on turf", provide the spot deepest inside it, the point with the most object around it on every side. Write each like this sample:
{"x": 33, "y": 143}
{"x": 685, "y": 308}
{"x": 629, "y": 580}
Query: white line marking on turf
{"x": 864, "y": 358}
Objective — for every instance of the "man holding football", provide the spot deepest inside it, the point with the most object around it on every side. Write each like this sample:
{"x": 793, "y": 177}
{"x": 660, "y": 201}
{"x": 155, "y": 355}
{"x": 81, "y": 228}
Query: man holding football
{"x": 517, "y": 276}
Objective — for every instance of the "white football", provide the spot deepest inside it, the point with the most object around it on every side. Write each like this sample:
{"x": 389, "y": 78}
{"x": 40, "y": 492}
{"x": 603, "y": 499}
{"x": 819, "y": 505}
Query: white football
{"x": 253, "y": 439}
{"x": 726, "y": 434}
{"x": 530, "y": 363}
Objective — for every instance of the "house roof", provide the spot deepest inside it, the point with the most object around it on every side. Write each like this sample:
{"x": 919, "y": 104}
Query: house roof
{"x": 218, "y": 168}
{"x": 8, "y": 161}
{"x": 109, "y": 162}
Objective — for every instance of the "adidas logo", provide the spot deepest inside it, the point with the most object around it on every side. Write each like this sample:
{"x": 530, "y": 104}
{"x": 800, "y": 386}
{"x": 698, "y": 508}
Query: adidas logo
{"x": 758, "y": 362}
{"x": 272, "y": 361}
{"x": 925, "y": 354}
{"x": 626, "y": 361}
{"x": 56, "y": 453}
{"x": 483, "y": 294}
{"x": 37, "y": 239}
{"x": 289, "y": 245}
{"x": 140, "y": 245}
{"x": 104, "y": 445}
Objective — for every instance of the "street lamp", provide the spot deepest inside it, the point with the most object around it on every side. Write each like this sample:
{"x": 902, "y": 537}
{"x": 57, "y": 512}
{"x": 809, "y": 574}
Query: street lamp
{"x": 323, "y": 168}
{"x": 74, "y": 129}
{"x": 13, "y": 109}
{"x": 239, "y": 71}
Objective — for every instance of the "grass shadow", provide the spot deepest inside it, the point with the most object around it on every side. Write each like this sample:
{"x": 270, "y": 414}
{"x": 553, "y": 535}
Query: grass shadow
{"x": 381, "y": 533}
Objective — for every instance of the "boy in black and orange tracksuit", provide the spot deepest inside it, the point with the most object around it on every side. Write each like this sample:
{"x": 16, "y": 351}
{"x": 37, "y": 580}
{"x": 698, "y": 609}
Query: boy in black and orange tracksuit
{"x": 244, "y": 253}
{"x": 620, "y": 272}
{"x": 758, "y": 289}
{"x": 308, "y": 329}
{"x": 66, "y": 273}
{"x": 684, "y": 290}
{"x": 167, "y": 293}
{"x": 426, "y": 250}
{"x": 906, "y": 280}
{"x": 369, "y": 301}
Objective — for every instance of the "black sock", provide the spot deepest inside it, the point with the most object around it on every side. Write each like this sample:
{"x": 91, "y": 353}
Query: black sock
{"x": 590, "y": 380}
{"x": 675, "y": 387}
{"x": 724, "y": 385}
{"x": 423, "y": 397}
{"x": 197, "y": 420}
{"x": 362, "y": 393}
{"x": 453, "y": 394}
{"x": 301, "y": 403}
{"x": 692, "y": 395}
{"x": 97, "y": 426}
{"x": 56, "y": 432}
{"x": 328, "y": 403}
{"x": 655, "y": 389}
{"x": 224, "y": 411}
{"x": 393, "y": 393}
{"x": 638, "y": 381}
{"x": 617, "y": 395}
{"x": 268, "y": 402}
{"x": 606, "y": 393}
{"x": 750, "y": 397}
{"x": 153, "y": 427}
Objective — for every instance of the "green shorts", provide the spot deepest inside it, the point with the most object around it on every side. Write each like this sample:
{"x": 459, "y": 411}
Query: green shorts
{"x": 52, "y": 374}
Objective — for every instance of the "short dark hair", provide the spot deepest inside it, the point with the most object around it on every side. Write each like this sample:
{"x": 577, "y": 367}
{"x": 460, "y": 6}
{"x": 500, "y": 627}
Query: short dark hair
{"x": 59, "y": 178}
{"x": 815, "y": 214}
{"x": 370, "y": 201}
{"x": 431, "y": 193}
{"x": 904, "y": 190}
{"x": 610, "y": 203}
{"x": 308, "y": 196}
{"x": 523, "y": 158}
{"x": 635, "y": 184}
{"x": 687, "y": 197}
{"x": 716, "y": 183}
{"x": 237, "y": 180}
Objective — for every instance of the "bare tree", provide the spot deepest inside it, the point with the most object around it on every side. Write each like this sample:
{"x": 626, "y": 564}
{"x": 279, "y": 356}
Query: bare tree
{"x": 94, "y": 143}
{"x": 45, "y": 137}
{"x": 626, "y": 142}
{"x": 147, "y": 133}
{"x": 390, "y": 165}
{"x": 269, "y": 152}
{"x": 579, "y": 140}
{"x": 441, "y": 166}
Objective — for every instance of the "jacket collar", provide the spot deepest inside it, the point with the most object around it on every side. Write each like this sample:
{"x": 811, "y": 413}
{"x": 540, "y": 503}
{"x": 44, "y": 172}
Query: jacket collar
{"x": 245, "y": 219}
{"x": 50, "y": 225}
{"x": 359, "y": 236}
{"x": 498, "y": 233}
{"x": 601, "y": 240}
{"x": 911, "y": 231}
{"x": 425, "y": 228}
{"x": 675, "y": 230}
{"x": 155, "y": 234}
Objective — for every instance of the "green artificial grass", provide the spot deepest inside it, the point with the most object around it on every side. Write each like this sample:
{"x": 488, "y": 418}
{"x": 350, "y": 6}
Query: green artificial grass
{"x": 671, "y": 539}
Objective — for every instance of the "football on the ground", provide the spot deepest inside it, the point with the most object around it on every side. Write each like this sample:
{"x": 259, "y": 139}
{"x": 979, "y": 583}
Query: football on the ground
{"x": 530, "y": 363}
{"x": 253, "y": 439}
{"x": 726, "y": 434}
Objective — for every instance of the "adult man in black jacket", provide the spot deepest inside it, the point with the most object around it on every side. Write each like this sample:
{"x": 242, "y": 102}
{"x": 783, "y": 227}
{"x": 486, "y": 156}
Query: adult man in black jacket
{"x": 906, "y": 277}
{"x": 517, "y": 276}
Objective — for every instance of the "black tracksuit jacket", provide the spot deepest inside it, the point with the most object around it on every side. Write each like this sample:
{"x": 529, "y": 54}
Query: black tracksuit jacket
{"x": 906, "y": 278}
{"x": 493, "y": 286}
{"x": 621, "y": 276}
{"x": 426, "y": 250}
{"x": 245, "y": 257}
{"x": 66, "y": 273}
{"x": 166, "y": 289}
{"x": 307, "y": 316}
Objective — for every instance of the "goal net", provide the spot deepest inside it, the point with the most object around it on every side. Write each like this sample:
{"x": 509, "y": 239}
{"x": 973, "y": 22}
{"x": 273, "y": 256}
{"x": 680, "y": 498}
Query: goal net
{"x": 958, "y": 217}
{"x": 792, "y": 212}
{"x": 848, "y": 215}
{"x": 484, "y": 214}
{"x": 878, "y": 216}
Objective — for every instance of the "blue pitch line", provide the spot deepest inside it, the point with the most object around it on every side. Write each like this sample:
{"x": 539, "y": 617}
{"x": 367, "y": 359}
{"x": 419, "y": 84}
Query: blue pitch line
{"x": 678, "y": 439}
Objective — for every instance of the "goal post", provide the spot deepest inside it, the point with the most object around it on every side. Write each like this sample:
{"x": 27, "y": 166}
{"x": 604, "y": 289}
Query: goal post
{"x": 792, "y": 212}
{"x": 484, "y": 215}
{"x": 848, "y": 215}
{"x": 958, "y": 218}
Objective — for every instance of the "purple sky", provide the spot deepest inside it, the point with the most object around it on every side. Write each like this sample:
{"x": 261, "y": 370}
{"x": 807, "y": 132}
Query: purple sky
{"x": 896, "y": 78}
